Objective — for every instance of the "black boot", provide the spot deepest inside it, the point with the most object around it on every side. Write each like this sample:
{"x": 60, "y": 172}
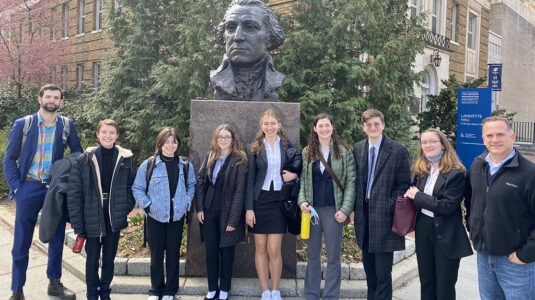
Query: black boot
{"x": 56, "y": 288}
{"x": 17, "y": 296}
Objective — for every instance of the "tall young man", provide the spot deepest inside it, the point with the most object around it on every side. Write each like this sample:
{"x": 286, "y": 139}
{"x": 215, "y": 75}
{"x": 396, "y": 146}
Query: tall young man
{"x": 36, "y": 149}
{"x": 500, "y": 201}
{"x": 383, "y": 174}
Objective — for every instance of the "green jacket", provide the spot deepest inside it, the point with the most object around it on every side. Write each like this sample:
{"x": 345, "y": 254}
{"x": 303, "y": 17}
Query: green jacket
{"x": 345, "y": 170}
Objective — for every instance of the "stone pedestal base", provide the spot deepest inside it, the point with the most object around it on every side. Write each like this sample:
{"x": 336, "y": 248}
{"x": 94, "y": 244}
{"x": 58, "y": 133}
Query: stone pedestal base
{"x": 205, "y": 116}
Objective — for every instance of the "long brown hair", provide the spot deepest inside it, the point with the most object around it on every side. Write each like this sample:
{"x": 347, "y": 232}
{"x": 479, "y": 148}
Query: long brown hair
{"x": 235, "y": 146}
{"x": 448, "y": 161}
{"x": 163, "y": 136}
{"x": 314, "y": 143}
{"x": 258, "y": 143}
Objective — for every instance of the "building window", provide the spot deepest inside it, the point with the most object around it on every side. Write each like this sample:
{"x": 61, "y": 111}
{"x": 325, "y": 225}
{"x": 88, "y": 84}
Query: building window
{"x": 118, "y": 7}
{"x": 98, "y": 14}
{"x": 436, "y": 17}
{"x": 414, "y": 7}
{"x": 64, "y": 75}
{"x": 453, "y": 25}
{"x": 6, "y": 33}
{"x": 471, "y": 32}
{"x": 21, "y": 33}
{"x": 81, "y": 16}
{"x": 53, "y": 25}
{"x": 53, "y": 75}
{"x": 65, "y": 20}
{"x": 79, "y": 76}
{"x": 96, "y": 74}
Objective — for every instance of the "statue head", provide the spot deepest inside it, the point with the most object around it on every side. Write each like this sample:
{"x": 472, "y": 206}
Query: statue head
{"x": 249, "y": 30}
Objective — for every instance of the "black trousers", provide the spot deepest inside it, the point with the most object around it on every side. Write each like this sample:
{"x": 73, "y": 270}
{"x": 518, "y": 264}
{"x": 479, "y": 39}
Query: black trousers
{"x": 438, "y": 274}
{"x": 93, "y": 245}
{"x": 212, "y": 236}
{"x": 377, "y": 266}
{"x": 164, "y": 238}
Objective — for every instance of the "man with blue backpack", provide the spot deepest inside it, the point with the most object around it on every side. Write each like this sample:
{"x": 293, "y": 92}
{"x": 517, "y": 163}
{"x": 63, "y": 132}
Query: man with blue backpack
{"x": 35, "y": 142}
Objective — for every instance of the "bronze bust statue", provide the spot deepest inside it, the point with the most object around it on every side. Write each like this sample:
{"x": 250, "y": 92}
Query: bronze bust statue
{"x": 249, "y": 31}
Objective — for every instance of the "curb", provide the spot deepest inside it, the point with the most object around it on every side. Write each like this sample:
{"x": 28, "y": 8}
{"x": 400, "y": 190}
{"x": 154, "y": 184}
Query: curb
{"x": 131, "y": 275}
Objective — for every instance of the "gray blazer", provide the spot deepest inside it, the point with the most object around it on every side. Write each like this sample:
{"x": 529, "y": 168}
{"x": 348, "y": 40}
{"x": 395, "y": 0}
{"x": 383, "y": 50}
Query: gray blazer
{"x": 392, "y": 179}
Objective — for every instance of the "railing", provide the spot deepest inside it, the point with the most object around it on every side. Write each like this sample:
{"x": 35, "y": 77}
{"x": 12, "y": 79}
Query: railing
{"x": 525, "y": 131}
{"x": 437, "y": 40}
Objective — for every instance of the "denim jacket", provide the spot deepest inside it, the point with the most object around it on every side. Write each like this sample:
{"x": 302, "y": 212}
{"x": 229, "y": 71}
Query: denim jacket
{"x": 158, "y": 193}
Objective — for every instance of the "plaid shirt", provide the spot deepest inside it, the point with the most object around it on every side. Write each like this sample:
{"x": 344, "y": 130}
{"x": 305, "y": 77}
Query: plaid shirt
{"x": 42, "y": 160}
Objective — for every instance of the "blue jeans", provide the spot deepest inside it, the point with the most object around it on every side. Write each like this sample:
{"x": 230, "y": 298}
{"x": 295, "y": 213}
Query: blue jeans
{"x": 499, "y": 278}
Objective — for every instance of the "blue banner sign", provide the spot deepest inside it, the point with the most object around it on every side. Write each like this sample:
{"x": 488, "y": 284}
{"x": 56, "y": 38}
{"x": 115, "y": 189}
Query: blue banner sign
{"x": 495, "y": 77}
{"x": 473, "y": 106}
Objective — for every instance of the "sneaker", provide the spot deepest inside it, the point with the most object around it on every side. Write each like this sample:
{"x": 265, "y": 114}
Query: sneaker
{"x": 168, "y": 297}
{"x": 17, "y": 296}
{"x": 276, "y": 295}
{"x": 56, "y": 288}
{"x": 154, "y": 297}
{"x": 266, "y": 295}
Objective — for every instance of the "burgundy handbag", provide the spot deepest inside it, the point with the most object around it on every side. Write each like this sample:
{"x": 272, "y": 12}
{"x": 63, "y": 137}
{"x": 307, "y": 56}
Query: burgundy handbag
{"x": 404, "y": 216}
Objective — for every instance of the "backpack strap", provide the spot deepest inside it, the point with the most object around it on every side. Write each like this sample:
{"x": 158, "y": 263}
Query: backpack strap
{"x": 186, "y": 170}
{"x": 66, "y": 130}
{"x": 150, "y": 168}
{"x": 28, "y": 120}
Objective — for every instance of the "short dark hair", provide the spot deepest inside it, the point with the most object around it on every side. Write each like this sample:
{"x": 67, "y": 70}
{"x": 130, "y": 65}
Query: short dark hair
{"x": 163, "y": 136}
{"x": 50, "y": 87}
{"x": 371, "y": 113}
{"x": 276, "y": 34}
{"x": 498, "y": 118}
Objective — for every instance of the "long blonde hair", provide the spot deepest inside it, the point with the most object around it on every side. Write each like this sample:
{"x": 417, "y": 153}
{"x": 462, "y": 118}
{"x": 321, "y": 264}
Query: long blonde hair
{"x": 258, "y": 143}
{"x": 448, "y": 161}
{"x": 235, "y": 146}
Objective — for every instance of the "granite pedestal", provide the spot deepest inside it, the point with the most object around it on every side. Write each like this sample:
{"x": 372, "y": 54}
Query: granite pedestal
{"x": 205, "y": 116}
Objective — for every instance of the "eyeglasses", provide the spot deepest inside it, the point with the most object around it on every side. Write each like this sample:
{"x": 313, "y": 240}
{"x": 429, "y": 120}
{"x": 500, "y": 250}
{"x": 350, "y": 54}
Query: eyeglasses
{"x": 224, "y": 137}
{"x": 429, "y": 143}
{"x": 370, "y": 125}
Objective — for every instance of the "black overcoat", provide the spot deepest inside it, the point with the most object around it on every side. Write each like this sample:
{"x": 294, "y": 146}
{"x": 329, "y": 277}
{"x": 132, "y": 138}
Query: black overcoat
{"x": 232, "y": 200}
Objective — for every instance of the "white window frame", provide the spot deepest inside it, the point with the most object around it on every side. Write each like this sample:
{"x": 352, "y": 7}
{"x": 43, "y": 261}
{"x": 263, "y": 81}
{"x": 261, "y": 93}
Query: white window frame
{"x": 453, "y": 22}
{"x": 64, "y": 77}
{"x": 437, "y": 16}
{"x": 65, "y": 9}
{"x": 98, "y": 14}
{"x": 472, "y": 34}
{"x": 6, "y": 33}
{"x": 81, "y": 16}
{"x": 53, "y": 75}
{"x": 97, "y": 68}
{"x": 414, "y": 6}
{"x": 117, "y": 6}
{"x": 79, "y": 76}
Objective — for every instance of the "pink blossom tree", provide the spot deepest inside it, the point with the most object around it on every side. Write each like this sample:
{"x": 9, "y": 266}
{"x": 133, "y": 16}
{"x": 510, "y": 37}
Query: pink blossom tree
{"x": 32, "y": 42}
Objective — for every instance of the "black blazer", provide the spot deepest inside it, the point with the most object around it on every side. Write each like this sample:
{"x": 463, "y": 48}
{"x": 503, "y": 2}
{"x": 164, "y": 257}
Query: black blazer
{"x": 256, "y": 173}
{"x": 231, "y": 199}
{"x": 445, "y": 203}
{"x": 392, "y": 179}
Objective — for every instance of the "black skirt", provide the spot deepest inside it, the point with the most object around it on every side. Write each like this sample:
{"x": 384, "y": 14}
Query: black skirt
{"x": 269, "y": 217}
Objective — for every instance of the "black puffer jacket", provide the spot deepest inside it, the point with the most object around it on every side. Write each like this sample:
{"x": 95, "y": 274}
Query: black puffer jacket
{"x": 84, "y": 197}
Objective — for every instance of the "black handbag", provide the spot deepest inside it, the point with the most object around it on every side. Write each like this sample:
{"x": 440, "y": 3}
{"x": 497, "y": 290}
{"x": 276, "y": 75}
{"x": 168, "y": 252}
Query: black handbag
{"x": 288, "y": 205}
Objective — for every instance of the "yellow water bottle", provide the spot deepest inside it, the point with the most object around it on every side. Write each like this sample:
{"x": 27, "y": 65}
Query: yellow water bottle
{"x": 305, "y": 225}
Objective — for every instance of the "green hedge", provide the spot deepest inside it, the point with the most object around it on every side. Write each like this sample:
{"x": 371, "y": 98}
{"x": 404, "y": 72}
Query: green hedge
{"x": 4, "y": 133}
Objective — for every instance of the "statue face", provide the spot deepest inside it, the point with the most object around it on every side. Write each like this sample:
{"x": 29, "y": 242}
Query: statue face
{"x": 245, "y": 35}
